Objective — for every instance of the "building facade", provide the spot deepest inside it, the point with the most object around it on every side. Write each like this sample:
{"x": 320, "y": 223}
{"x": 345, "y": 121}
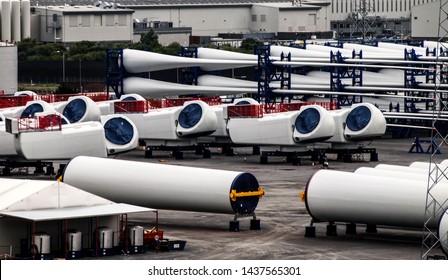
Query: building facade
{"x": 70, "y": 24}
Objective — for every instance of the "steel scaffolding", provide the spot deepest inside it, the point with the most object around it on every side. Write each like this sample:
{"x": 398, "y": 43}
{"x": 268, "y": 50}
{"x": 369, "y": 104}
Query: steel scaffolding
{"x": 434, "y": 209}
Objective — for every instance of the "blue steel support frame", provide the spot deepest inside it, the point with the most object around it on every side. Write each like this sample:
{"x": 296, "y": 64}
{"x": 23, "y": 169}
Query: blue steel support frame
{"x": 337, "y": 73}
{"x": 115, "y": 72}
{"x": 268, "y": 72}
{"x": 411, "y": 82}
{"x": 189, "y": 75}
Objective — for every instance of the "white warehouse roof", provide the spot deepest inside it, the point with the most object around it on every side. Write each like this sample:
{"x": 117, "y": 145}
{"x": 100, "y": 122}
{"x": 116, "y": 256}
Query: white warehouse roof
{"x": 46, "y": 200}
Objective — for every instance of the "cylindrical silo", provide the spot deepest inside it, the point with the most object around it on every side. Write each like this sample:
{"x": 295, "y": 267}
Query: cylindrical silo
{"x": 26, "y": 19}
{"x": 74, "y": 241}
{"x": 336, "y": 196}
{"x": 8, "y": 68}
{"x": 42, "y": 242}
{"x": 135, "y": 235}
{"x": 6, "y": 21}
{"x": 165, "y": 186}
{"x": 15, "y": 21}
{"x": 443, "y": 232}
{"x": 105, "y": 238}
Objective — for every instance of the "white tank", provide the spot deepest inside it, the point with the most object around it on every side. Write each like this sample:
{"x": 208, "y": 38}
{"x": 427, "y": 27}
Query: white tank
{"x": 15, "y": 21}
{"x": 74, "y": 241}
{"x": 26, "y": 19}
{"x": 105, "y": 238}
{"x": 135, "y": 234}
{"x": 336, "y": 196}
{"x": 443, "y": 232}
{"x": 8, "y": 69}
{"x": 6, "y": 21}
{"x": 120, "y": 132}
{"x": 42, "y": 241}
{"x": 163, "y": 186}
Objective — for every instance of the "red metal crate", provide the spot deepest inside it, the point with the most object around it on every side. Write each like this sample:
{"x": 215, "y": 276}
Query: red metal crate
{"x": 41, "y": 123}
{"x": 245, "y": 111}
{"x": 132, "y": 106}
{"x": 97, "y": 96}
{"x": 14, "y": 101}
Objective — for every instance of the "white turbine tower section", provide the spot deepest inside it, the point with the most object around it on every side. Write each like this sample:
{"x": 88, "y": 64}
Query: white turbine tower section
{"x": 136, "y": 61}
{"x": 164, "y": 186}
{"x": 443, "y": 232}
{"x": 6, "y": 21}
{"x": 311, "y": 123}
{"x": 26, "y": 19}
{"x": 336, "y": 196}
{"x": 15, "y": 21}
{"x": 157, "y": 89}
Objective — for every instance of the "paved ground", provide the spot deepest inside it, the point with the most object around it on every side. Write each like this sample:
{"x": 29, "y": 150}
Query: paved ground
{"x": 283, "y": 216}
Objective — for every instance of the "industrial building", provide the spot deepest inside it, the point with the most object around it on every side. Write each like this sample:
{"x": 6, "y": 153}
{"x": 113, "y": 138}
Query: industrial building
{"x": 8, "y": 68}
{"x": 425, "y": 26}
{"x": 69, "y": 24}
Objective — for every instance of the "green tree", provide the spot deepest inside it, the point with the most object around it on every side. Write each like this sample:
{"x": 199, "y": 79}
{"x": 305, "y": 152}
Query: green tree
{"x": 148, "y": 41}
{"x": 247, "y": 45}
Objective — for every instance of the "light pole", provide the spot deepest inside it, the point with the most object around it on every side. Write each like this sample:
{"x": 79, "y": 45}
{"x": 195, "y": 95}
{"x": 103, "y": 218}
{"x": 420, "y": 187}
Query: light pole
{"x": 63, "y": 67}
{"x": 80, "y": 76}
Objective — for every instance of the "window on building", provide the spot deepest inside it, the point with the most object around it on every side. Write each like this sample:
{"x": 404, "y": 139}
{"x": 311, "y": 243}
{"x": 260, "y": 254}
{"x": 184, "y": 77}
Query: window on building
{"x": 332, "y": 6}
{"x": 337, "y": 6}
{"x": 73, "y": 21}
{"x": 254, "y": 18}
{"x": 301, "y": 28}
{"x": 110, "y": 20}
{"x": 122, "y": 20}
{"x": 85, "y": 20}
{"x": 98, "y": 19}
{"x": 290, "y": 28}
{"x": 263, "y": 18}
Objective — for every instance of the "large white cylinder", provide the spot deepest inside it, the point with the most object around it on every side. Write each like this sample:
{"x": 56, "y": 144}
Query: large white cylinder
{"x": 163, "y": 186}
{"x": 443, "y": 232}
{"x": 336, "y": 196}
{"x": 26, "y": 19}
{"x": 6, "y": 21}
{"x": 15, "y": 21}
